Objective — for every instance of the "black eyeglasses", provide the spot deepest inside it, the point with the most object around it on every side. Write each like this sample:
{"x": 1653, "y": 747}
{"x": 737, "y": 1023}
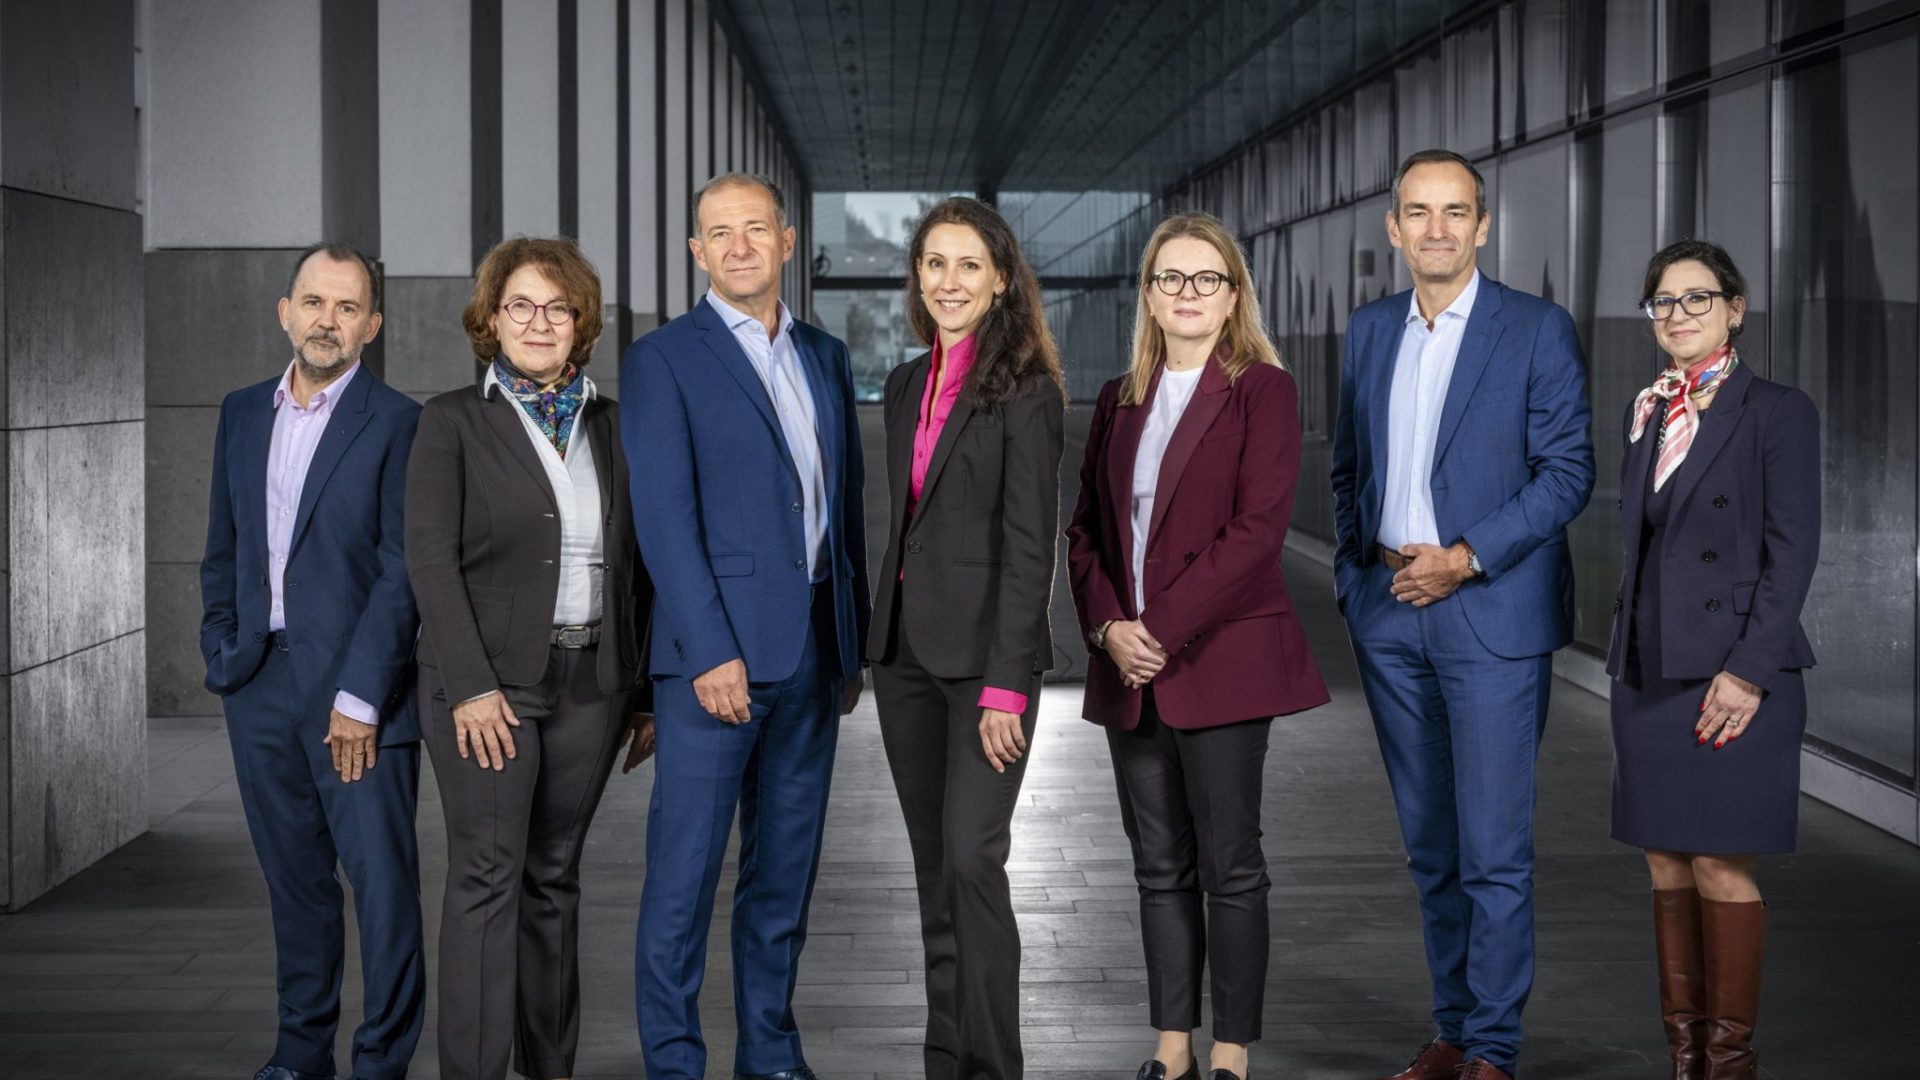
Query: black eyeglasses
{"x": 1693, "y": 303}
{"x": 1206, "y": 282}
{"x": 559, "y": 312}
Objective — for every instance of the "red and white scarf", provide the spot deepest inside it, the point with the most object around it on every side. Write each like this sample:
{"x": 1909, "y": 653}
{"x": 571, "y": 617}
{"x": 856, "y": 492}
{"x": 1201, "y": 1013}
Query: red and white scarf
{"x": 1678, "y": 387}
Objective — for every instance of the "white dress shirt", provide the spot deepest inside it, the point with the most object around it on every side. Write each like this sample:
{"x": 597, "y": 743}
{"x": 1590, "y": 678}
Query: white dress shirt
{"x": 575, "y": 481}
{"x": 1421, "y": 374}
{"x": 777, "y": 362}
{"x": 1169, "y": 404}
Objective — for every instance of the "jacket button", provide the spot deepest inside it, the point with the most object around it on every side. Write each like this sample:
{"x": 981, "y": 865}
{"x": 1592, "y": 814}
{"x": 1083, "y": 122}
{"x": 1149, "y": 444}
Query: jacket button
{"x": 1619, "y": 504}
{"x": 1190, "y": 556}
{"x": 797, "y": 508}
{"x": 799, "y": 564}
{"x": 1616, "y": 605}
{"x": 1720, "y": 500}
{"x": 913, "y": 547}
{"x": 258, "y": 636}
{"x": 1709, "y": 555}
{"x": 1713, "y": 605}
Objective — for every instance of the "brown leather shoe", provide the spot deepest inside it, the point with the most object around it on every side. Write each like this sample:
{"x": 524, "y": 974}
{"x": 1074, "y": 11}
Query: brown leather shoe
{"x": 1480, "y": 1069}
{"x": 1734, "y": 936}
{"x": 1683, "y": 990}
{"x": 1437, "y": 1060}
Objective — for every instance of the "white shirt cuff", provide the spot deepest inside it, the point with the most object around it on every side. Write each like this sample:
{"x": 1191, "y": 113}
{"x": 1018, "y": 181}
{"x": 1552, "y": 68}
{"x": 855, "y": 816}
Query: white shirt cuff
{"x": 348, "y": 705}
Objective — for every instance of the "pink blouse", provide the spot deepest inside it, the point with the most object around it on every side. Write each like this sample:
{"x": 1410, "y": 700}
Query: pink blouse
{"x": 933, "y": 415}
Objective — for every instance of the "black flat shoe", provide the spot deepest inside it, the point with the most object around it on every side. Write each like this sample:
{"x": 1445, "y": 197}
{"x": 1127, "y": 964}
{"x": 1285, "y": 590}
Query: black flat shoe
{"x": 1154, "y": 1070}
{"x": 1224, "y": 1074}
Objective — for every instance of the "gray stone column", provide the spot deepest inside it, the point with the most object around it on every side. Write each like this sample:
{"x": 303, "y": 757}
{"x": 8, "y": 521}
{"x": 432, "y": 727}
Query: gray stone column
{"x": 73, "y": 761}
{"x": 263, "y": 136}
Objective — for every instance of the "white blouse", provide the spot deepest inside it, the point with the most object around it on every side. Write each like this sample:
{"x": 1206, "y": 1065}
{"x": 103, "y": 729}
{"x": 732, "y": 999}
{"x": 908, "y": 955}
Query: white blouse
{"x": 575, "y": 481}
{"x": 1169, "y": 404}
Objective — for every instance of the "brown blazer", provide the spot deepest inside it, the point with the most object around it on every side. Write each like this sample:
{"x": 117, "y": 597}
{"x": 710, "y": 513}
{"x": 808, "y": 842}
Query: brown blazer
{"x": 483, "y": 547}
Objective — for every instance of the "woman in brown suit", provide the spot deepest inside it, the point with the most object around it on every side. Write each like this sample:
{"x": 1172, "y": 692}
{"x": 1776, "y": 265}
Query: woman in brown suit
{"x": 532, "y": 597}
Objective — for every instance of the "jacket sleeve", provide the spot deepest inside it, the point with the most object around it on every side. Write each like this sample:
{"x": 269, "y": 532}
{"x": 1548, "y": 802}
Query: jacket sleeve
{"x": 1559, "y": 449}
{"x": 1345, "y": 475}
{"x": 219, "y": 618}
{"x": 666, "y": 499}
{"x": 1096, "y": 596}
{"x": 1248, "y": 547}
{"x": 1790, "y": 473}
{"x": 382, "y": 647}
{"x": 1030, "y": 526}
{"x": 436, "y": 501}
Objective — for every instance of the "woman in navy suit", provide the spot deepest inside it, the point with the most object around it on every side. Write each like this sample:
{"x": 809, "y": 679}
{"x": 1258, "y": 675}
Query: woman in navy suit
{"x": 1720, "y": 494}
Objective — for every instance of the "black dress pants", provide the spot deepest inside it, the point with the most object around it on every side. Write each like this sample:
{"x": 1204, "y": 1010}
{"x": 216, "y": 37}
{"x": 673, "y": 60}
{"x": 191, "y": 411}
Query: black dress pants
{"x": 959, "y": 815}
{"x": 1190, "y": 803}
{"x": 509, "y": 927}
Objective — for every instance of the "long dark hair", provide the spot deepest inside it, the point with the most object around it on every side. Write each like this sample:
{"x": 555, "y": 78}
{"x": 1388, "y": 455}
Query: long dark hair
{"x": 1012, "y": 341}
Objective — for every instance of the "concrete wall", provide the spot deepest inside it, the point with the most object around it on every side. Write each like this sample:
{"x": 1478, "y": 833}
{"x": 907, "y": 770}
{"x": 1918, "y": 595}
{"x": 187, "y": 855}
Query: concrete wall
{"x": 73, "y": 766}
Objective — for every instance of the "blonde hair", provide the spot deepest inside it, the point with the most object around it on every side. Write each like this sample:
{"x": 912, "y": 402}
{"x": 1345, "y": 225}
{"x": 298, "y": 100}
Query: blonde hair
{"x": 1245, "y": 334}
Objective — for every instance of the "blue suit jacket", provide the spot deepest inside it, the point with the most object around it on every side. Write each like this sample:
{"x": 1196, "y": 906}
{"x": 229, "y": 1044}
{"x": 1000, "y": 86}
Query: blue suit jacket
{"x": 351, "y": 623}
{"x": 716, "y": 496}
{"x": 1512, "y": 463}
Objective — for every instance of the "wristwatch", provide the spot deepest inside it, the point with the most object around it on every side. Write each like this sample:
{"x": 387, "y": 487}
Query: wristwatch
{"x": 1099, "y": 635}
{"x": 1473, "y": 564}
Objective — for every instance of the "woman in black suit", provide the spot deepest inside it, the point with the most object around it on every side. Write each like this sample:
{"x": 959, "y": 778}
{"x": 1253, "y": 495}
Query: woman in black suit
{"x": 532, "y": 604}
{"x": 1720, "y": 492}
{"x": 960, "y": 634}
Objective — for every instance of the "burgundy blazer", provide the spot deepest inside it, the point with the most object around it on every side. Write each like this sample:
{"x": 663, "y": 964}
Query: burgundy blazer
{"x": 1215, "y": 594}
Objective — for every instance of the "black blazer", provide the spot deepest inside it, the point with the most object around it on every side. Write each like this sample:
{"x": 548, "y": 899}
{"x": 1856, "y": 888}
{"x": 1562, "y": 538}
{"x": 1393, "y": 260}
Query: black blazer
{"x": 979, "y": 552}
{"x": 1743, "y": 540}
{"x": 483, "y": 544}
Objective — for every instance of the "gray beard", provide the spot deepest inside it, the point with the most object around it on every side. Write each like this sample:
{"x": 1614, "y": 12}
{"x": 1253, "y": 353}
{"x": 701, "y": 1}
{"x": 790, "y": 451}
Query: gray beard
{"x": 321, "y": 372}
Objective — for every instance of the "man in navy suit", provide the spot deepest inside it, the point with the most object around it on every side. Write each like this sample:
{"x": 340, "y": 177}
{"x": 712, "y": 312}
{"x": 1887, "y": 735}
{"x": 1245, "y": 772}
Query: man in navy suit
{"x": 744, "y": 453}
{"x": 1461, "y": 453}
{"x": 308, "y": 636}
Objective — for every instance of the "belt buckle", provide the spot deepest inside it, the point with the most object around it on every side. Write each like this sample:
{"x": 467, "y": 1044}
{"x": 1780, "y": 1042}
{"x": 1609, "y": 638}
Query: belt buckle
{"x": 573, "y": 637}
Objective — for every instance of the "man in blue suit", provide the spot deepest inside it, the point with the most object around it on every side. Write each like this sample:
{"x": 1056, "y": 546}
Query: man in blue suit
{"x": 1461, "y": 453}
{"x": 744, "y": 452}
{"x": 308, "y": 636}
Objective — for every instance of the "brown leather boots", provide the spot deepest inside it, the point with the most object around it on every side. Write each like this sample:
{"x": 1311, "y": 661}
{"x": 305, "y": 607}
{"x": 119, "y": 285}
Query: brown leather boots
{"x": 1710, "y": 956}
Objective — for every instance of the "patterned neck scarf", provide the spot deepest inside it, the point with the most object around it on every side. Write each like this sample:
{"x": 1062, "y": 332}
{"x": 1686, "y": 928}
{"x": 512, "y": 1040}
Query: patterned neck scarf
{"x": 1681, "y": 389}
{"x": 553, "y": 408}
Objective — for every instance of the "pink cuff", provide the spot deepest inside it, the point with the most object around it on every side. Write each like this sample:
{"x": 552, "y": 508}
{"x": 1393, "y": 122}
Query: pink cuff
{"x": 1004, "y": 700}
{"x": 348, "y": 705}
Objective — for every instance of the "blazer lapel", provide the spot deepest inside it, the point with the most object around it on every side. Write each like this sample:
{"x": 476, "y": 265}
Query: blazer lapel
{"x": 600, "y": 439}
{"x": 1716, "y": 427}
{"x": 1377, "y": 388}
{"x": 252, "y": 443}
{"x": 902, "y": 421}
{"x": 501, "y": 413}
{"x": 350, "y": 415}
{"x": 1476, "y": 349}
{"x": 1634, "y": 468}
{"x": 942, "y": 450}
{"x": 1208, "y": 399}
{"x": 1123, "y": 449}
{"x": 721, "y": 342}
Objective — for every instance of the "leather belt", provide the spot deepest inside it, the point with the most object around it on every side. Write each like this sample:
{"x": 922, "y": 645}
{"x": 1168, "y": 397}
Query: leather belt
{"x": 575, "y": 637}
{"x": 1395, "y": 561}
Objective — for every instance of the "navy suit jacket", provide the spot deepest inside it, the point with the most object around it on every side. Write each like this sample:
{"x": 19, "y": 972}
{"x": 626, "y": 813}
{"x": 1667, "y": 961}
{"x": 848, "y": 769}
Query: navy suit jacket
{"x": 716, "y": 500}
{"x": 1741, "y": 543}
{"x": 351, "y": 623}
{"x": 1512, "y": 461}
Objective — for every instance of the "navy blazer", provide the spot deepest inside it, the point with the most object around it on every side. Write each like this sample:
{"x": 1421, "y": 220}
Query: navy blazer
{"x": 1742, "y": 543}
{"x": 716, "y": 500}
{"x": 1512, "y": 461}
{"x": 351, "y": 623}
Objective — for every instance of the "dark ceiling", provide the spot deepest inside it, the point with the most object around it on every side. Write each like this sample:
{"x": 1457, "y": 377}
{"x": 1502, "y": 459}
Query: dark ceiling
{"x": 1031, "y": 95}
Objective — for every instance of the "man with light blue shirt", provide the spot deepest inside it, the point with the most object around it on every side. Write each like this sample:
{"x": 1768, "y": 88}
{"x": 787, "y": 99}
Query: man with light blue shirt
{"x": 744, "y": 452}
{"x": 1461, "y": 453}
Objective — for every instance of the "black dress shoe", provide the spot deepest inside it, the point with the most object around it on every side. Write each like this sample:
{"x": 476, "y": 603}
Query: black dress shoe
{"x": 281, "y": 1072}
{"x": 1154, "y": 1070}
{"x": 1224, "y": 1074}
{"x": 801, "y": 1073}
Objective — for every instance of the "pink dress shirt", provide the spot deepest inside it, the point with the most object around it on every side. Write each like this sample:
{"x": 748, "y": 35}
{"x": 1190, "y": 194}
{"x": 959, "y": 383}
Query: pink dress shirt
{"x": 926, "y": 435}
{"x": 296, "y": 435}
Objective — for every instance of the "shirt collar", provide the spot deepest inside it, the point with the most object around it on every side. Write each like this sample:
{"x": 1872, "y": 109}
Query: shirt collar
{"x": 1461, "y": 308}
{"x": 734, "y": 317}
{"x": 491, "y": 382}
{"x": 326, "y": 395}
{"x": 959, "y": 359}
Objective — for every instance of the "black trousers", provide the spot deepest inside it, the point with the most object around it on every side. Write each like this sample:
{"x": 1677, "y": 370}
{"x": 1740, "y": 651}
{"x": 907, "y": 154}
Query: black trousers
{"x": 1190, "y": 802}
{"x": 959, "y": 815}
{"x": 509, "y": 927}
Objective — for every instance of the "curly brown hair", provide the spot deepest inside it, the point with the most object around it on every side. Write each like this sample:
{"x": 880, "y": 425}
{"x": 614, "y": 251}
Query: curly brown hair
{"x": 562, "y": 261}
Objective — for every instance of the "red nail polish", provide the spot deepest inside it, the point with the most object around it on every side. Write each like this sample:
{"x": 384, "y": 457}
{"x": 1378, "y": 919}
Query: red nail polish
{"x": 1703, "y": 740}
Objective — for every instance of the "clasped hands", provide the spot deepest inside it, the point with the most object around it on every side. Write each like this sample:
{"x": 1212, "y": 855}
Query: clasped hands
{"x": 1135, "y": 651}
{"x": 1432, "y": 575}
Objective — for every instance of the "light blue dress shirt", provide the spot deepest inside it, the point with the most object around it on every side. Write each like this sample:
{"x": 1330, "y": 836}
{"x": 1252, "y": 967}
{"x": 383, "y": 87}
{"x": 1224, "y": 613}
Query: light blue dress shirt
{"x": 1421, "y": 374}
{"x": 777, "y": 362}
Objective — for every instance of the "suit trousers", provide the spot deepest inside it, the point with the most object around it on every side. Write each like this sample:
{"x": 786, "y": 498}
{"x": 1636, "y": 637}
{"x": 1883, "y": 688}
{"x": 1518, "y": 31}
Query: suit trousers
{"x": 305, "y": 820}
{"x": 959, "y": 815}
{"x": 1459, "y": 730}
{"x": 777, "y": 768}
{"x": 1190, "y": 804}
{"x": 510, "y": 924}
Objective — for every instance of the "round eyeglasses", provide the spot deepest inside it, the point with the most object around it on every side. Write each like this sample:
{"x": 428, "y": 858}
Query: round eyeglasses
{"x": 1206, "y": 282}
{"x": 1693, "y": 303}
{"x": 559, "y": 312}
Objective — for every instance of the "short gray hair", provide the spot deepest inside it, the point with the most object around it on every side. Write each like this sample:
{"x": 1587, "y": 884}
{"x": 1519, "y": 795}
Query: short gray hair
{"x": 1440, "y": 157}
{"x": 737, "y": 179}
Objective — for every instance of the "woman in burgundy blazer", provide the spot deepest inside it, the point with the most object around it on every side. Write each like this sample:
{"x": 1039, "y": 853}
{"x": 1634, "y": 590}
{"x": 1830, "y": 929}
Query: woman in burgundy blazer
{"x": 1174, "y": 552}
